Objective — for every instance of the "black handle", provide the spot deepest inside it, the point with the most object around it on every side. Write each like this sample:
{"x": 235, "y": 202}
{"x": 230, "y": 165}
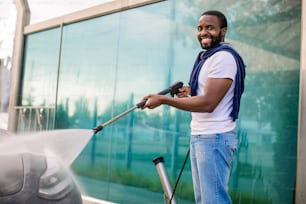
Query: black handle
{"x": 173, "y": 89}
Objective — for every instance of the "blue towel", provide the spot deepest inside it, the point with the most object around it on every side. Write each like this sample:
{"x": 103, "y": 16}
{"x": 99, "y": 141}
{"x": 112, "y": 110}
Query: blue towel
{"x": 239, "y": 80}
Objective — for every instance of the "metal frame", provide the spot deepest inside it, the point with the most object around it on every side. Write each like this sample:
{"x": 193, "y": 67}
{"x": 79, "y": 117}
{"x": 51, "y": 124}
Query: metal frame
{"x": 35, "y": 118}
{"x": 23, "y": 19}
{"x": 300, "y": 195}
{"x": 96, "y": 11}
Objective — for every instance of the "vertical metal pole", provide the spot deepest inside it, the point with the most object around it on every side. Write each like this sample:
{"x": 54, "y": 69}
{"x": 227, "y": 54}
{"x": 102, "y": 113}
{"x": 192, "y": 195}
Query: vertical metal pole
{"x": 23, "y": 19}
{"x": 130, "y": 134}
{"x": 300, "y": 190}
{"x": 58, "y": 73}
{"x": 159, "y": 164}
{"x": 94, "y": 137}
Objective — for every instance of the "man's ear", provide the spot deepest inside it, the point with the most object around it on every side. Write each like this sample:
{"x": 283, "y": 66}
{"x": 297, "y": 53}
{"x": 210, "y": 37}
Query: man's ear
{"x": 223, "y": 31}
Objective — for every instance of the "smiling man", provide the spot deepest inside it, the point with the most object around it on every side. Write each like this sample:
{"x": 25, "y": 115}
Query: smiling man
{"x": 213, "y": 97}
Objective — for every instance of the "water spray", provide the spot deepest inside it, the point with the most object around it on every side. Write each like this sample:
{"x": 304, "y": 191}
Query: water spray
{"x": 173, "y": 89}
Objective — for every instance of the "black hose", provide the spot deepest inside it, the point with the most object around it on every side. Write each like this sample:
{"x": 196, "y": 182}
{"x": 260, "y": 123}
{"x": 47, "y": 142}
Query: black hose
{"x": 179, "y": 177}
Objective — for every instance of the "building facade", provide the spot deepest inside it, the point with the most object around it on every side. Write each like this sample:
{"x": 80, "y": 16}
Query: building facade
{"x": 82, "y": 69}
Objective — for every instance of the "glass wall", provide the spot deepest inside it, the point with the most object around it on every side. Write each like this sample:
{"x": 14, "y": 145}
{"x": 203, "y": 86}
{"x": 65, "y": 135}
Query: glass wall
{"x": 107, "y": 64}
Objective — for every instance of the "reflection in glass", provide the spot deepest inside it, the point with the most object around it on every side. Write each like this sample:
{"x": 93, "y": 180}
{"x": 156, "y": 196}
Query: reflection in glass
{"x": 41, "y": 65}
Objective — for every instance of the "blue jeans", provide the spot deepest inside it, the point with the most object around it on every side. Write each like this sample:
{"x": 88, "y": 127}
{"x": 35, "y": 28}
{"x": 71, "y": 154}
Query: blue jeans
{"x": 211, "y": 158}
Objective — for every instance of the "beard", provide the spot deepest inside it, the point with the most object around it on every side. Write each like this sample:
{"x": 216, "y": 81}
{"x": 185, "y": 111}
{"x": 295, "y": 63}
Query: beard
{"x": 215, "y": 40}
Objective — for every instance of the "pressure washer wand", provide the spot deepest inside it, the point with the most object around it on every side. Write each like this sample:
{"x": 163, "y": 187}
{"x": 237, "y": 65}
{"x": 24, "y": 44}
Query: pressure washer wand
{"x": 173, "y": 89}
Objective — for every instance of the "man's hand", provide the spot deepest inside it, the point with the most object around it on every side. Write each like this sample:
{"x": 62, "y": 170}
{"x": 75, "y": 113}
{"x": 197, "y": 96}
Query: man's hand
{"x": 183, "y": 92}
{"x": 152, "y": 101}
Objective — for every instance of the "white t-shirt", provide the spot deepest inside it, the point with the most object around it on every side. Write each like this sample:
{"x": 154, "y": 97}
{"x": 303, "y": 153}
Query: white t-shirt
{"x": 220, "y": 65}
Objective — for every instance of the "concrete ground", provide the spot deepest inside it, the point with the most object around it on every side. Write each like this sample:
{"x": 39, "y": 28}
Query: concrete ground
{"x": 118, "y": 191}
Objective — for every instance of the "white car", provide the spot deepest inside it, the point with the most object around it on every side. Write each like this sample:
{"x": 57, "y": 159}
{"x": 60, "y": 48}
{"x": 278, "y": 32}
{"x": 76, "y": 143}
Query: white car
{"x": 35, "y": 178}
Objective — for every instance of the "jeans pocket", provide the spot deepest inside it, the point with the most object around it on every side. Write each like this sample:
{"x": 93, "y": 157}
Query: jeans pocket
{"x": 231, "y": 143}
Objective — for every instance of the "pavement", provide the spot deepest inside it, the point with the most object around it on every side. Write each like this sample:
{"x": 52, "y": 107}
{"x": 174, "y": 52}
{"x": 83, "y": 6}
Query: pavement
{"x": 116, "y": 193}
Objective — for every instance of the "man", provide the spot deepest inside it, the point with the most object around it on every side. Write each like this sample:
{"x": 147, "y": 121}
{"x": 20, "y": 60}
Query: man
{"x": 215, "y": 88}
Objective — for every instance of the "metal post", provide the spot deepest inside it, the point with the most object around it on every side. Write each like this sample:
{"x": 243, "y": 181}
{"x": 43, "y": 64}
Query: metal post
{"x": 23, "y": 19}
{"x": 168, "y": 192}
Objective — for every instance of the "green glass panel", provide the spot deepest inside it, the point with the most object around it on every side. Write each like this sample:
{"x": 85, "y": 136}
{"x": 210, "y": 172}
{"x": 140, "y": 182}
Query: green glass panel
{"x": 41, "y": 65}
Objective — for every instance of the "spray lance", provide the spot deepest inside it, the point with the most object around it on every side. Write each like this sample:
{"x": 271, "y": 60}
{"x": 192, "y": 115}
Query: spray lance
{"x": 173, "y": 89}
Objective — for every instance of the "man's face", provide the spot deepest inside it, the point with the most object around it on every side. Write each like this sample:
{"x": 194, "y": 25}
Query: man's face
{"x": 209, "y": 32}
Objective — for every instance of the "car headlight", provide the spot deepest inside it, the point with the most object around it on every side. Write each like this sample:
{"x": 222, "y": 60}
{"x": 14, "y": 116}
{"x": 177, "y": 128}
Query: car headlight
{"x": 56, "y": 182}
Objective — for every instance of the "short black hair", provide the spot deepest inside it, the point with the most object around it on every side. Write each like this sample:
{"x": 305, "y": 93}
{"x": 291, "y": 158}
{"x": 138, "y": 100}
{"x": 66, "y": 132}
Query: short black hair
{"x": 220, "y": 16}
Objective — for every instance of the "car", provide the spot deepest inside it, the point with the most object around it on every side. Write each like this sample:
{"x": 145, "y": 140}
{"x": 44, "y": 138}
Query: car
{"x": 35, "y": 178}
